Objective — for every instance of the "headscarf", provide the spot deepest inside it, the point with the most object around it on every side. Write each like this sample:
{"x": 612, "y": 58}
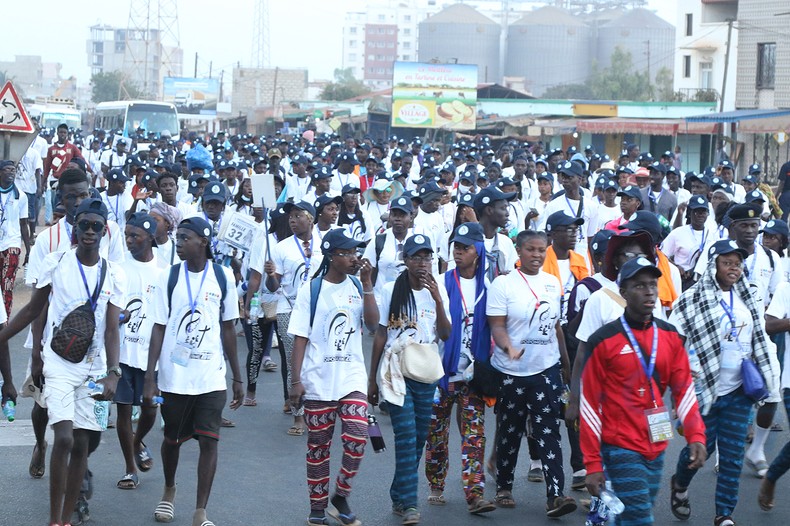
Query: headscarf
{"x": 170, "y": 213}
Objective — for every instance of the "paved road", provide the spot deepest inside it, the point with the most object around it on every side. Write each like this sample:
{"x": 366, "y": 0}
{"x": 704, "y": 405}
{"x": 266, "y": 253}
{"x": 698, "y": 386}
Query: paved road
{"x": 261, "y": 477}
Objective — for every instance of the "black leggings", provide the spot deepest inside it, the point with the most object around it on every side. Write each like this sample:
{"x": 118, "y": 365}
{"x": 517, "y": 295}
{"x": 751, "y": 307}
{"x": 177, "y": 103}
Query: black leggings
{"x": 259, "y": 342}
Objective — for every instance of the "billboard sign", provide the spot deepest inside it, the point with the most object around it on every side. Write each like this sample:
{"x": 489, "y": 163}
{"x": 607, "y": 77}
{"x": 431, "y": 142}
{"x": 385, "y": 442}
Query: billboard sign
{"x": 192, "y": 96}
{"x": 434, "y": 95}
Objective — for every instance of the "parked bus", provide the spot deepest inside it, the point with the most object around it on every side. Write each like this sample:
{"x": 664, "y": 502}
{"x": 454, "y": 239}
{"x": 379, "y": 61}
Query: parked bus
{"x": 129, "y": 115}
{"x": 53, "y": 112}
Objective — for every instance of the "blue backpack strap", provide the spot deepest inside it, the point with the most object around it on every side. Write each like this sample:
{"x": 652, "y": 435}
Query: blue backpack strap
{"x": 315, "y": 289}
{"x": 222, "y": 281}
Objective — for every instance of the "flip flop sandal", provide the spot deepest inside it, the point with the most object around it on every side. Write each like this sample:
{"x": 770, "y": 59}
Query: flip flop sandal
{"x": 228, "y": 423}
{"x": 437, "y": 500}
{"x": 561, "y": 506}
{"x": 504, "y": 499}
{"x": 143, "y": 459}
{"x": 765, "y": 501}
{"x": 165, "y": 511}
{"x": 129, "y": 481}
{"x": 38, "y": 465}
{"x": 249, "y": 402}
{"x": 480, "y": 505}
{"x": 345, "y": 520}
{"x": 723, "y": 520}
{"x": 758, "y": 467}
{"x": 269, "y": 366}
{"x": 681, "y": 508}
{"x": 287, "y": 408}
{"x": 207, "y": 523}
{"x": 317, "y": 521}
{"x": 295, "y": 431}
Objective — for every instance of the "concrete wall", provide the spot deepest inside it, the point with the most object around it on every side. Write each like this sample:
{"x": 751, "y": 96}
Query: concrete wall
{"x": 253, "y": 87}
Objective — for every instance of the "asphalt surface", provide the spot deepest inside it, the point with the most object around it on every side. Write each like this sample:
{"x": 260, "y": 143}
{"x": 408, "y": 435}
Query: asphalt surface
{"x": 261, "y": 475}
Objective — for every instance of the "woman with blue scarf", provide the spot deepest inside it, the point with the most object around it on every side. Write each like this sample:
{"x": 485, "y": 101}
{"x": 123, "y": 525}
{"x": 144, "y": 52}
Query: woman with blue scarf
{"x": 470, "y": 340}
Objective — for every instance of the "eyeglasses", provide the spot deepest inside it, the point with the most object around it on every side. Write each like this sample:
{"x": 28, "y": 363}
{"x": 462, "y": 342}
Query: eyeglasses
{"x": 85, "y": 225}
{"x": 385, "y": 191}
{"x": 346, "y": 254}
{"x": 633, "y": 255}
{"x": 421, "y": 259}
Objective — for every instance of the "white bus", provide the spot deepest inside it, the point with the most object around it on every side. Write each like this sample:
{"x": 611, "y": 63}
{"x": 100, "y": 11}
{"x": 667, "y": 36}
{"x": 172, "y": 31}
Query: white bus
{"x": 53, "y": 113}
{"x": 128, "y": 115}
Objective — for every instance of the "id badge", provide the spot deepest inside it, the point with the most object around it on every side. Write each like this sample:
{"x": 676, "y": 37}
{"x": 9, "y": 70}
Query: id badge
{"x": 731, "y": 355}
{"x": 180, "y": 355}
{"x": 659, "y": 424}
{"x": 93, "y": 350}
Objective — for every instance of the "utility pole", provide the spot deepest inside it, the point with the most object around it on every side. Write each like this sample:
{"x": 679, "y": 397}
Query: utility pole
{"x": 196, "y": 57}
{"x": 726, "y": 64}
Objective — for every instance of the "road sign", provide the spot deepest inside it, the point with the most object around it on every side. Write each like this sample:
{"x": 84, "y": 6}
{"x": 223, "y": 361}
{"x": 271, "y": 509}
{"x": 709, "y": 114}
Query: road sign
{"x": 13, "y": 116}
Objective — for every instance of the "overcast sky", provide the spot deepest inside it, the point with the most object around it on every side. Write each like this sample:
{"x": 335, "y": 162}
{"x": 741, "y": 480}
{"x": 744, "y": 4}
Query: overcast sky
{"x": 304, "y": 33}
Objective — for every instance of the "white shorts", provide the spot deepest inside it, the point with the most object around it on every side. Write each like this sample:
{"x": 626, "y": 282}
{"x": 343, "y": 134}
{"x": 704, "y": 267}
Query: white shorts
{"x": 68, "y": 398}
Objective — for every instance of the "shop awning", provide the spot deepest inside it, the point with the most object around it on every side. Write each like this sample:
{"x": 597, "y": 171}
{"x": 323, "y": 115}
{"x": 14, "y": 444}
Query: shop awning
{"x": 618, "y": 125}
{"x": 738, "y": 115}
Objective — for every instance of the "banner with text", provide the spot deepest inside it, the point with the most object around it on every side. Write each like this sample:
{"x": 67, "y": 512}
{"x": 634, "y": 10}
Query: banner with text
{"x": 192, "y": 96}
{"x": 434, "y": 95}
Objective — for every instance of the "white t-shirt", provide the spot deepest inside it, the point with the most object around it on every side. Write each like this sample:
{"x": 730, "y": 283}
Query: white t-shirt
{"x": 62, "y": 272}
{"x": 758, "y": 271}
{"x": 142, "y": 280}
{"x": 423, "y": 325}
{"x": 291, "y": 265}
{"x": 375, "y": 210}
{"x": 780, "y": 309}
{"x": 600, "y": 309}
{"x": 12, "y": 210}
{"x": 432, "y": 225}
{"x": 532, "y": 307}
{"x": 340, "y": 180}
{"x": 333, "y": 365}
{"x": 589, "y": 213}
{"x": 166, "y": 254}
{"x": 606, "y": 214}
{"x": 355, "y": 227}
{"x": 465, "y": 358}
{"x": 684, "y": 244}
{"x": 390, "y": 262}
{"x": 297, "y": 187}
{"x": 26, "y": 171}
{"x": 197, "y": 335}
{"x": 507, "y": 258}
{"x": 538, "y": 223}
{"x": 733, "y": 348}
{"x": 117, "y": 206}
{"x": 113, "y": 160}
{"x": 516, "y": 217}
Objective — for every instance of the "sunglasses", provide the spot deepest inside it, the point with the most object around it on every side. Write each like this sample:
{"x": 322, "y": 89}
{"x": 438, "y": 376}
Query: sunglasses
{"x": 96, "y": 226}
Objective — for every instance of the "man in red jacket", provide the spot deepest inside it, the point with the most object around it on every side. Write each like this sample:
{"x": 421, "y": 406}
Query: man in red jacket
{"x": 624, "y": 423}
{"x": 60, "y": 153}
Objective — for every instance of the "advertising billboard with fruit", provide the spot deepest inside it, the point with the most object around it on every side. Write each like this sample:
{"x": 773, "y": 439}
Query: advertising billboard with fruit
{"x": 434, "y": 95}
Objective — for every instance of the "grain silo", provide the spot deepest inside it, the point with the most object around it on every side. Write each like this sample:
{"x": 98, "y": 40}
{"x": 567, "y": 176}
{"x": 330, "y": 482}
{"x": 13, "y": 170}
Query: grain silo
{"x": 548, "y": 47}
{"x": 460, "y": 34}
{"x": 649, "y": 38}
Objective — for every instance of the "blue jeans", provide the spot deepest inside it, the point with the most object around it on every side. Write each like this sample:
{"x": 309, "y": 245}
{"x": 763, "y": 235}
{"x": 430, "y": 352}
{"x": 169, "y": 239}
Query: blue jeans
{"x": 635, "y": 479}
{"x": 781, "y": 463}
{"x": 410, "y": 424}
{"x": 48, "y": 196}
{"x": 726, "y": 425}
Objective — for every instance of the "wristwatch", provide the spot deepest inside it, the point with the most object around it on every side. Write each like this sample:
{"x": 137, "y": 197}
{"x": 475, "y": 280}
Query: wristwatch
{"x": 116, "y": 371}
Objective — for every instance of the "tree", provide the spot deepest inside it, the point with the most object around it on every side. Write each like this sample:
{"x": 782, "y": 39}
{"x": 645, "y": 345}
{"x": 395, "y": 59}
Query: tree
{"x": 568, "y": 91}
{"x": 344, "y": 87}
{"x": 107, "y": 86}
{"x": 619, "y": 81}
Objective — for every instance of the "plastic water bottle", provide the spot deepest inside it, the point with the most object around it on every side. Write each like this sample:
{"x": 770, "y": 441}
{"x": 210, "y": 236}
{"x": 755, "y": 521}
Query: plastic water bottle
{"x": 96, "y": 389}
{"x": 255, "y": 308}
{"x": 9, "y": 410}
{"x": 374, "y": 433}
{"x": 437, "y": 396}
{"x": 694, "y": 364}
{"x": 612, "y": 501}
{"x": 598, "y": 514}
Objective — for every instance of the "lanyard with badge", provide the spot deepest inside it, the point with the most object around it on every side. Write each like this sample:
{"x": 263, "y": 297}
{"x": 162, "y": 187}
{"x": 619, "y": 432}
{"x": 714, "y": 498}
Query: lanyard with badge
{"x": 731, "y": 352}
{"x": 578, "y": 213}
{"x": 659, "y": 423}
{"x": 188, "y": 342}
{"x": 304, "y": 257}
{"x": 3, "y": 207}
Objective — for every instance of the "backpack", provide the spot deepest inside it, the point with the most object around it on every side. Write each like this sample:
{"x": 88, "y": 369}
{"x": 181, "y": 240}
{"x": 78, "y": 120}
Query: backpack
{"x": 219, "y": 273}
{"x": 315, "y": 289}
{"x": 380, "y": 240}
{"x": 74, "y": 336}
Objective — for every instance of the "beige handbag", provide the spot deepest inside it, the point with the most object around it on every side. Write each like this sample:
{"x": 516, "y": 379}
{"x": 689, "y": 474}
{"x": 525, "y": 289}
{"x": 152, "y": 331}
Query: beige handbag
{"x": 421, "y": 362}
{"x": 269, "y": 309}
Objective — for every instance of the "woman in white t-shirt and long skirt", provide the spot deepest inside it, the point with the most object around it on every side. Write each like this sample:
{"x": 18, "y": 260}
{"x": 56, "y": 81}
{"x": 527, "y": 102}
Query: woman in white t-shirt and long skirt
{"x": 413, "y": 306}
{"x": 524, "y": 311}
{"x": 328, "y": 369}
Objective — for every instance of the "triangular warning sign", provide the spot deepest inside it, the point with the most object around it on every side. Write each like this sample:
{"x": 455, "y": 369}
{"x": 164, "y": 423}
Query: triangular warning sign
{"x": 13, "y": 116}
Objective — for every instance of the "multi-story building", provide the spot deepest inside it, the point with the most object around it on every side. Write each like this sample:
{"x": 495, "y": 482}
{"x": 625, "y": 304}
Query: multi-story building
{"x": 701, "y": 40}
{"x": 140, "y": 55}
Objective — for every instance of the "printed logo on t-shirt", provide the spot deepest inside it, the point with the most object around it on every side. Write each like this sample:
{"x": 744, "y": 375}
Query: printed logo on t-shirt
{"x": 191, "y": 330}
{"x": 136, "y": 319}
{"x": 339, "y": 332}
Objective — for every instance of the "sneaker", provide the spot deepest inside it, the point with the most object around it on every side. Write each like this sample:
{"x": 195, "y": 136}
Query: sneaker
{"x": 81, "y": 513}
{"x": 269, "y": 365}
{"x": 410, "y": 516}
{"x": 535, "y": 475}
{"x": 579, "y": 480}
{"x": 397, "y": 509}
{"x": 561, "y": 506}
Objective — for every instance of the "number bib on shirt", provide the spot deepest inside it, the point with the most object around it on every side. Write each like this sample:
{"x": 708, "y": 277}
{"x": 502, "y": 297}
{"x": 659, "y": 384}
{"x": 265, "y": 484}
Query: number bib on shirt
{"x": 659, "y": 424}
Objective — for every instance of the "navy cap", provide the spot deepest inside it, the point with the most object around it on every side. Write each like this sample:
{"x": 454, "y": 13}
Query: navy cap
{"x": 726, "y": 164}
{"x": 751, "y": 178}
{"x": 467, "y": 199}
{"x": 468, "y": 234}
{"x": 745, "y": 212}
{"x": 198, "y": 225}
{"x": 546, "y": 176}
{"x": 214, "y": 191}
{"x": 704, "y": 179}
{"x": 726, "y": 246}
{"x": 755, "y": 169}
{"x": 623, "y": 169}
{"x": 611, "y": 184}
{"x": 672, "y": 170}
{"x": 570, "y": 169}
{"x": 645, "y": 156}
{"x": 543, "y": 161}
{"x": 92, "y": 205}
{"x": 600, "y": 182}
{"x": 413, "y": 195}
{"x": 635, "y": 266}
{"x": 150, "y": 175}
{"x": 698, "y": 201}
{"x": 117, "y": 175}
{"x": 658, "y": 167}
{"x": 506, "y": 181}
{"x": 350, "y": 189}
{"x": 753, "y": 196}
{"x": 483, "y": 175}
{"x": 348, "y": 157}
{"x": 324, "y": 172}
{"x": 631, "y": 191}
{"x": 339, "y": 238}
{"x": 600, "y": 241}
{"x": 469, "y": 177}
{"x": 143, "y": 220}
{"x": 645, "y": 222}
{"x": 491, "y": 194}
{"x": 322, "y": 200}
{"x": 299, "y": 205}
{"x": 430, "y": 191}
{"x": 709, "y": 171}
{"x": 561, "y": 219}
{"x": 667, "y": 155}
{"x": 416, "y": 243}
{"x": 403, "y": 204}
{"x": 777, "y": 227}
